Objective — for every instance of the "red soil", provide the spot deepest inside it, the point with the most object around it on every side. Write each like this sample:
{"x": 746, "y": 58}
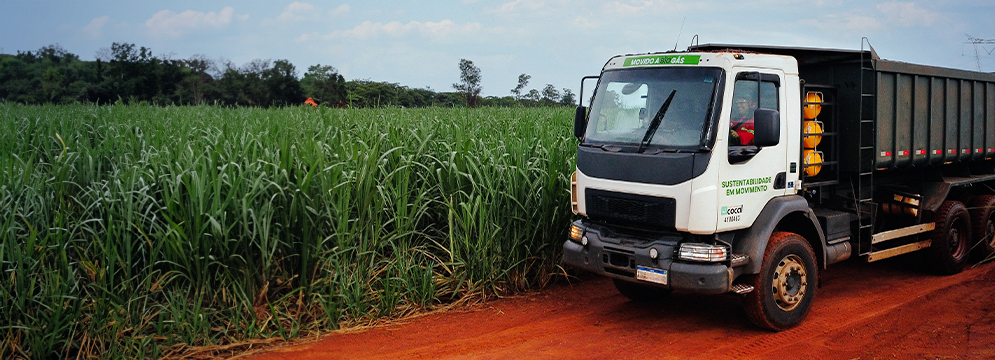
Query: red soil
{"x": 889, "y": 309}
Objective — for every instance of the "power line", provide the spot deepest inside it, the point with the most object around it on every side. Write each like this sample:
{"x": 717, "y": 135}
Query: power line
{"x": 980, "y": 42}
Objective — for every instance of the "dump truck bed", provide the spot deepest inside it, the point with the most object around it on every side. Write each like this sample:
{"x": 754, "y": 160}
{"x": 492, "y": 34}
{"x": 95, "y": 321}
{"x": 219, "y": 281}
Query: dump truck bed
{"x": 906, "y": 115}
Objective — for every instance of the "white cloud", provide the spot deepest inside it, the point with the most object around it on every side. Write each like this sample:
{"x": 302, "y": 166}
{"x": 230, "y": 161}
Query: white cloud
{"x": 627, "y": 9}
{"x": 564, "y": 9}
{"x": 342, "y": 9}
{"x": 859, "y": 24}
{"x": 96, "y": 26}
{"x": 519, "y": 6}
{"x": 440, "y": 31}
{"x": 168, "y": 23}
{"x": 907, "y": 14}
{"x": 892, "y": 15}
{"x": 306, "y": 37}
{"x": 296, "y": 11}
{"x": 582, "y": 22}
{"x": 660, "y": 10}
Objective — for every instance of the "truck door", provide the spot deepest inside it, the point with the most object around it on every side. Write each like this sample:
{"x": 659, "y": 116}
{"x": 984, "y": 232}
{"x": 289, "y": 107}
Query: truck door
{"x": 749, "y": 175}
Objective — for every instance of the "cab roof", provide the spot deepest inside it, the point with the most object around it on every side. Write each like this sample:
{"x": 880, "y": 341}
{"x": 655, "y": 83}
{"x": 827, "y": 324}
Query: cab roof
{"x": 804, "y": 55}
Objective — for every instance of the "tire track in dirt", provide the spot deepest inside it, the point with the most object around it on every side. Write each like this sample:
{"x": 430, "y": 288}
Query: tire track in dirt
{"x": 849, "y": 313}
{"x": 864, "y": 310}
{"x": 952, "y": 322}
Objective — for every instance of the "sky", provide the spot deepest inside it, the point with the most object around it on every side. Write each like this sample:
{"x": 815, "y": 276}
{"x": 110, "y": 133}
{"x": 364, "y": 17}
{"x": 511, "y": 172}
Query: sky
{"x": 419, "y": 43}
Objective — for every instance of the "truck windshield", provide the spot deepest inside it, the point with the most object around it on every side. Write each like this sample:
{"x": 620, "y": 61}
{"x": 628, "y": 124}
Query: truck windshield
{"x": 627, "y": 101}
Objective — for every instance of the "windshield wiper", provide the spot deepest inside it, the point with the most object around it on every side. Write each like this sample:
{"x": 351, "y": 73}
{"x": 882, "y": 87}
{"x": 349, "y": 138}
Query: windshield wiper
{"x": 657, "y": 119}
{"x": 604, "y": 147}
{"x": 660, "y": 151}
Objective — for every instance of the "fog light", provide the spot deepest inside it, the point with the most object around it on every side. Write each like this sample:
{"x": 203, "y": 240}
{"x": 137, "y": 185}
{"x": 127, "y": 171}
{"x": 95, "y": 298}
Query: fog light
{"x": 654, "y": 254}
{"x": 703, "y": 252}
{"x": 576, "y": 233}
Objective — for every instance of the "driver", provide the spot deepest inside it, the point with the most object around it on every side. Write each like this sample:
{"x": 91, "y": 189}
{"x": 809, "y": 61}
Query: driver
{"x": 741, "y": 121}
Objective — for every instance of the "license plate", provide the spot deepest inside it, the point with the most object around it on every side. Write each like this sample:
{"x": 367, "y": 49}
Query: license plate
{"x": 658, "y": 276}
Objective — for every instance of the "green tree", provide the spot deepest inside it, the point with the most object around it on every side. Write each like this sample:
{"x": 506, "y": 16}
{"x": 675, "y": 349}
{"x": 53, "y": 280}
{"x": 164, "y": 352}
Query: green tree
{"x": 196, "y": 85}
{"x": 245, "y": 85}
{"x": 282, "y": 84}
{"x": 325, "y": 85}
{"x": 51, "y": 83}
{"x": 446, "y": 99}
{"x": 494, "y": 101}
{"x": 369, "y": 94}
{"x": 469, "y": 85}
{"x": 523, "y": 81}
{"x": 568, "y": 98}
{"x": 16, "y": 80}
{"x": 532, "y": 97}
{"x": 550, "y": 96}
{"x": 166, "y": 77}
{"x": 130, "y": 75}
{"x": 43, "y": 76}
{"x": 255, "y": 92}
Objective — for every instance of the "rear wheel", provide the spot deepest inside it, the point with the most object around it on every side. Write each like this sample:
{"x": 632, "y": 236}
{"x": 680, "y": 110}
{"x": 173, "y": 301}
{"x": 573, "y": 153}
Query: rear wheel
{"x": 640, "y": 293}
{"x": 951, "y": 238}
{"x": 784, "y": 288}
{"x": 982, "y": 211}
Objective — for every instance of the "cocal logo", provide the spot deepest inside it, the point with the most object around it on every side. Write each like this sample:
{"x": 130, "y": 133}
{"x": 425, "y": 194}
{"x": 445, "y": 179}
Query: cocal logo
{"x": 735, "y": 210}
{"x": 731, "y": 213}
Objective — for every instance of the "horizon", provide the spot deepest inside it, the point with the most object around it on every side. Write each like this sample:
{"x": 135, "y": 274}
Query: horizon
{"x": 419, "y": 45}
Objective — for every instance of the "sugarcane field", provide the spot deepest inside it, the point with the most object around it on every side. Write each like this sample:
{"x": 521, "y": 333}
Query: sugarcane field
{"x": 504, "y": 179}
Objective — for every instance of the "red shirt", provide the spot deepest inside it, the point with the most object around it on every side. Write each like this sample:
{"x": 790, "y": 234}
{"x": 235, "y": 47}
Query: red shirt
{"x": 744, "y": 128}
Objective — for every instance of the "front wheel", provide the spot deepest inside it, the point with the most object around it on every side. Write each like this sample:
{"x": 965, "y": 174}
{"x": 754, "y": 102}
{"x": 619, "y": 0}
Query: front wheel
{"x": 784, "y": 288}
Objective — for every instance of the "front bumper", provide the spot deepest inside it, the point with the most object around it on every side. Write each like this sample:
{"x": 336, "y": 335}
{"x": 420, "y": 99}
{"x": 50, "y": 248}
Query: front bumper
{"x": 619, "y": 257}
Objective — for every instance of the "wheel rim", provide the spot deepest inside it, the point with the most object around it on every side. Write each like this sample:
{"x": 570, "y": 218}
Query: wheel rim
{"x": 790, "y": 282}
{"x": 957, "y": 245}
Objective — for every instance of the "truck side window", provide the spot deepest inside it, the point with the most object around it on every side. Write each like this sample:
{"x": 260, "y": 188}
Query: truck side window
{"x": 746, "y": 100}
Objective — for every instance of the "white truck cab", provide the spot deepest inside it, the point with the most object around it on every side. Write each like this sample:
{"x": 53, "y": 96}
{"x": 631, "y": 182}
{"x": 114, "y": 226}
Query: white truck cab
{"x": 723, "y": 173}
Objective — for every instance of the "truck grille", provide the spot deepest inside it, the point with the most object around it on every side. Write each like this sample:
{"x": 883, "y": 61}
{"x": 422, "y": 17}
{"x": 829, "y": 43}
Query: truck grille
{"x": 630, "y": 209}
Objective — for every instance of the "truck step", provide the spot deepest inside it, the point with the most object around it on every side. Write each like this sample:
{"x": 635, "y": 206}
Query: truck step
{"x": 739, "y": 260}
{"x": 903, "y": 232}
{"x": 887, "y": 253}
{"x": 741, "y": 288}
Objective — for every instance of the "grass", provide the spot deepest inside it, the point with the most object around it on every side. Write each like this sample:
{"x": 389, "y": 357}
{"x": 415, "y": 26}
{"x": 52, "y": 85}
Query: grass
{"x": 136, "y": 231}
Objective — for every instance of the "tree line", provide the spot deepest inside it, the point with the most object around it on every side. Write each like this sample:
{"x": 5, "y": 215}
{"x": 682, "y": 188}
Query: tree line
{"x": 131, "y": 74}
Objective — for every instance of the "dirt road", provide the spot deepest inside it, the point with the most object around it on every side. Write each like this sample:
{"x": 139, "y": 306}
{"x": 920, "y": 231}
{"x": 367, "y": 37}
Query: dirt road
{"x": 890, "y": 309}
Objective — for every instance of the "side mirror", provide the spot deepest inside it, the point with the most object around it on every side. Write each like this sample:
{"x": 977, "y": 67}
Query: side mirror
{"x": 580, "y": 121}
{"x": 766, "y": 127}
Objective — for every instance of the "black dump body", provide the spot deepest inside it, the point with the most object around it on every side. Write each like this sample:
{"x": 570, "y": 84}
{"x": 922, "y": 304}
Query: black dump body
{"x": 900, "y": 115}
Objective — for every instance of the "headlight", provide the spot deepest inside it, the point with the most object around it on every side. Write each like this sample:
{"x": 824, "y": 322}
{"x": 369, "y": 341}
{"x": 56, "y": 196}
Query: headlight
{"x": 576, "y": 233}
{"x": 703, "y": 252}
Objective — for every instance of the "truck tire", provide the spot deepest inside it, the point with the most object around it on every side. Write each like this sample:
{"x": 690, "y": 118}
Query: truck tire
{"x": 982, "y": 211}
{"x": 784, "y": 288}
{"x": 640, "y": 293}
{"x": 948, "y": 253}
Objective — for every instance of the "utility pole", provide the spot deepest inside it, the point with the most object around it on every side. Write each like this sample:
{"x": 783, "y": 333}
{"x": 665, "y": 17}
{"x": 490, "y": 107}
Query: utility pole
{"x": 976, "y": 41}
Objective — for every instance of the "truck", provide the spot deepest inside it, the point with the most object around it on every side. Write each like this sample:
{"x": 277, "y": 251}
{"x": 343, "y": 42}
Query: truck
{"x": 748, "y": 169}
